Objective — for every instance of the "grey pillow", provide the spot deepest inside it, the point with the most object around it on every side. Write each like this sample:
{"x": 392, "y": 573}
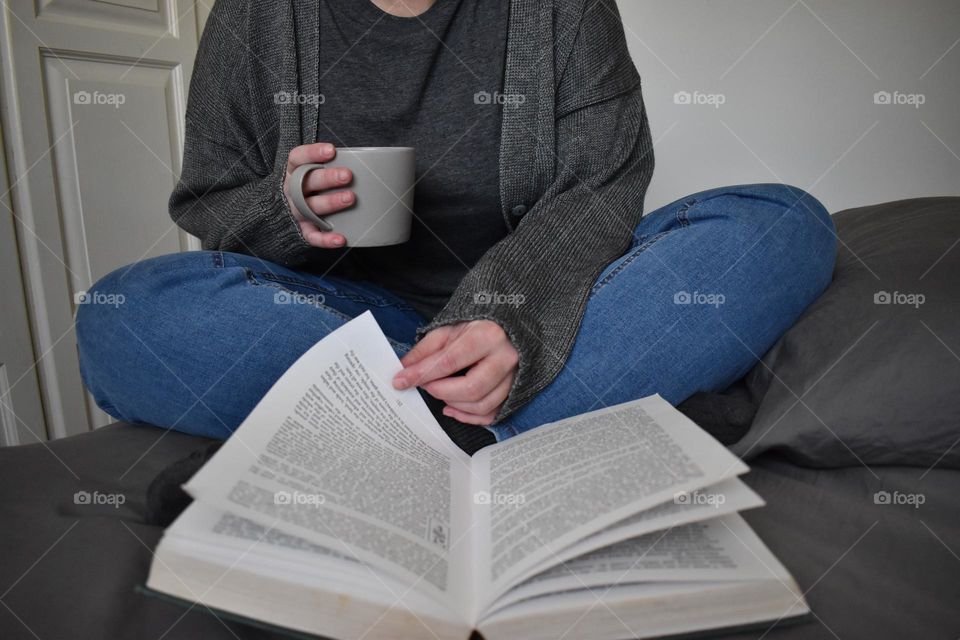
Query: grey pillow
{"x": 870, "y": 374}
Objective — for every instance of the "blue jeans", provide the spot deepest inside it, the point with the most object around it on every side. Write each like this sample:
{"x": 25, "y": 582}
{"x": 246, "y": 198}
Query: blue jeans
{"x": 192, "y": 341}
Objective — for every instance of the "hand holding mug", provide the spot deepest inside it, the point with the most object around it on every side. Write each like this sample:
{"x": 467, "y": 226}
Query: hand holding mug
{"x": 323, "y": 191}
{"x": 380, "y": 201}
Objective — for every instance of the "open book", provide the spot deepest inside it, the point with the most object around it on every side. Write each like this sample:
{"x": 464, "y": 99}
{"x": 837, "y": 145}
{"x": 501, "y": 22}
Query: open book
{"x": 339, "y": 508}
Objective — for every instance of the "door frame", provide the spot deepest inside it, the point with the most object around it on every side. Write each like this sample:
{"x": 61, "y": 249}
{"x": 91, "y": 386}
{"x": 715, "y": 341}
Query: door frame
{"x": 21, "y": 408}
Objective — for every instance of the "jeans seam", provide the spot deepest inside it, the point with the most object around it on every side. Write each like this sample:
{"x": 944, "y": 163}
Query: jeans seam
{"x": 269, "y": 276}
{"x": 747, "y": 196}
{"x": 319, "y": 305}
{"x": 275, "y": 277}
{"x": 323, "y": 307}
{"x": 627, "y": 260}
{"x": 372, "y": 300}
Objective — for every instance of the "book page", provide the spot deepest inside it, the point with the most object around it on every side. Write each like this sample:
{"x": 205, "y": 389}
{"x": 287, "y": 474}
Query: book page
{"x": 555, "y": 485}
{"x": 336, "y": 456}
{"x": 206, "y": 525}
{"x": 726, "y": 497}
{"x": 243, "y": 546}
{"x": 719, "y": 549}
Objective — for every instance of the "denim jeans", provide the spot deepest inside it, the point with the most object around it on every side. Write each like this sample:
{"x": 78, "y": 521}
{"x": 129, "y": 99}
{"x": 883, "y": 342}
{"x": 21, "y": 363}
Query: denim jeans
{"x": 192, "y": 341}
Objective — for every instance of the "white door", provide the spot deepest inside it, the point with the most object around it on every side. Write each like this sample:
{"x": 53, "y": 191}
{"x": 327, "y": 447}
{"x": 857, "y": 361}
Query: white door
{"x": 93, "y": 100}
{"x": 21, "y": 413}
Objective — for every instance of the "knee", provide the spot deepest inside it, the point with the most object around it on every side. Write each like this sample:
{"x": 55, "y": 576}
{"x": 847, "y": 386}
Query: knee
{"x": 102, "y": 336}
{"x": 117, "y": 315}
{"x": 775, "y": 199}
{"x": 798, "y": 203}
{"x": 121, "y": 296}
{"x": 809, "y": 228}
{"x": 802, "y": 236}
{"x": 795, "y": 222}
{"x": 101, "y": 310}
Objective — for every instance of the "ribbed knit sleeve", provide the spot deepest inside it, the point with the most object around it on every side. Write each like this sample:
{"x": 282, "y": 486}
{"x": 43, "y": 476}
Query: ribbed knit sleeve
{"x": 230, "y": 191}
{"x": 536, "y": 281}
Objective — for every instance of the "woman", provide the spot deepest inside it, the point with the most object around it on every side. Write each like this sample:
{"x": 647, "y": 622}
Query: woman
{"x": 532, "y": 287}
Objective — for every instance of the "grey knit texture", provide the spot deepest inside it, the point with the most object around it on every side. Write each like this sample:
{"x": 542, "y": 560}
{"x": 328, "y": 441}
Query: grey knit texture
{"x": 576, "y": 153}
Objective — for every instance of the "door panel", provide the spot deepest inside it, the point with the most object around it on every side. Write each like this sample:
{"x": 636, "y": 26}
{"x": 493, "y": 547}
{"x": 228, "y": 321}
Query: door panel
{"x": 114, "y": 163}
{"x": 93, "y": 99}
{"x": 151, "y": 16}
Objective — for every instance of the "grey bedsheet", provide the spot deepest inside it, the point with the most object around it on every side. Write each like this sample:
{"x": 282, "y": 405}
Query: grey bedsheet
{"x": 68, "y": 570}
{"x": 869, "y": 570}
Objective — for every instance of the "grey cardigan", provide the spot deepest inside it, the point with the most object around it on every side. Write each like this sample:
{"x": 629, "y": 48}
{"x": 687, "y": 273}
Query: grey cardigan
{"x": 575, "y": 161}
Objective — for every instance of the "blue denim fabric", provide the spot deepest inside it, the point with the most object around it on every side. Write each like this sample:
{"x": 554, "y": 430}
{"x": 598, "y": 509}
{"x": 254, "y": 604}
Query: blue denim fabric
{"x": 200, "y": 337}
{"x": 707, "y": 286}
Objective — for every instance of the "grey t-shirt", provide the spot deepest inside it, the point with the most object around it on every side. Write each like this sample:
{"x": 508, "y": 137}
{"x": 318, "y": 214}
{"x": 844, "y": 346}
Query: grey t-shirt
{"x": 428, "y": 82}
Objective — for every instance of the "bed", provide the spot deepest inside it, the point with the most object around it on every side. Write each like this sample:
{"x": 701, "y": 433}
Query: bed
{"x": 853, "y": 443}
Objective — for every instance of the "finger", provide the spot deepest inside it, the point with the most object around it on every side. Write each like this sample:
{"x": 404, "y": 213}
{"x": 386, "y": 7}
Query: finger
{"x": 480, "y": 380}
{"x": 469, "y": 418}
{"x": 461, "y": 353}
{"x": 331, "y": 202}
{"x": 430, "y": 343}
{"x": 320, "y": 239}
{"x": 490, "y": 403}
{"x": 309, "y": 154}
{"x": 324, "y": 179}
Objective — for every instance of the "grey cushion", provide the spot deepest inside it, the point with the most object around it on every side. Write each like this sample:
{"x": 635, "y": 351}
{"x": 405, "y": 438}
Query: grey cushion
{"x": 871, "y": 372}
{"x": 68, "y": 569}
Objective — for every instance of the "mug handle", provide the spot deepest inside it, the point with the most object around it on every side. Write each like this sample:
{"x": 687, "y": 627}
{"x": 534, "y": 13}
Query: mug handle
{"x": 296, "y": 194}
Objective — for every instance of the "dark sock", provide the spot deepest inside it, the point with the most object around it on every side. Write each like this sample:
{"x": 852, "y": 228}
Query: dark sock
{"x": 726, "y": 416}
{"x": 165, "y": 498}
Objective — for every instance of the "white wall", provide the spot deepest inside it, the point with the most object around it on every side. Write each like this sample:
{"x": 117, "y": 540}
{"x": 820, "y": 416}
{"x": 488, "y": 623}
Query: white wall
{"x": 798, "y": 78}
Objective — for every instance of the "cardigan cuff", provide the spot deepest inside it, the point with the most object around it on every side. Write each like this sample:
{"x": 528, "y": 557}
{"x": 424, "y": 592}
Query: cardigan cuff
{"x": 270, "y": 231}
